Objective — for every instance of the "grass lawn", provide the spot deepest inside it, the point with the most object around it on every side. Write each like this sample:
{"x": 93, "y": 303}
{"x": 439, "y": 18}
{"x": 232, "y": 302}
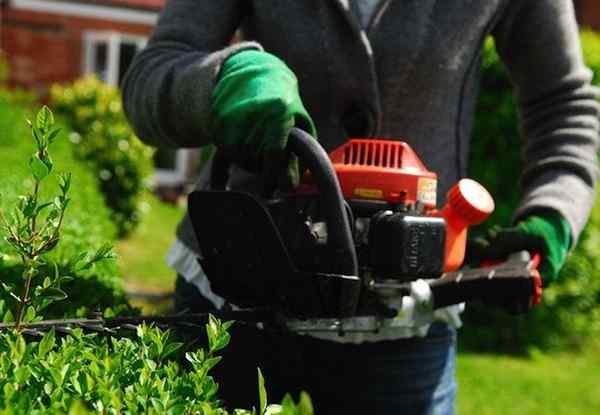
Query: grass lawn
{"x": 142, "y": 254}
{"x": 559, "y": 383}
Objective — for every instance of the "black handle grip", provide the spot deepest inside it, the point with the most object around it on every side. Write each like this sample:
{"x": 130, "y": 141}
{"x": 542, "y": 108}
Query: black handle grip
{"x": 339, "y": 236}
{"x": 511, "y": 286}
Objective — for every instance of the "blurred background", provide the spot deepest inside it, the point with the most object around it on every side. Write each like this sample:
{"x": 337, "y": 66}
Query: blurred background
{"x": 72, "y": 54}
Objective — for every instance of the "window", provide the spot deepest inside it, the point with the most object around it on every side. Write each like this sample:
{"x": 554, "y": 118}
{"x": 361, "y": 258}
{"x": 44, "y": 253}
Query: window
{"x": 175, "y": 168}
{"x": 109, "y": 54}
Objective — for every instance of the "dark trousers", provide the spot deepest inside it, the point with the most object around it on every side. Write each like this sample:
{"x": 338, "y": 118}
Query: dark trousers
{"x": 407, "y": 376}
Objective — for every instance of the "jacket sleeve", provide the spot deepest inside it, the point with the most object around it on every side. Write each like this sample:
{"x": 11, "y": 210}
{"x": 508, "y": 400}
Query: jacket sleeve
{"x": 538, "y": 41}
{"x": 167, "y": 89}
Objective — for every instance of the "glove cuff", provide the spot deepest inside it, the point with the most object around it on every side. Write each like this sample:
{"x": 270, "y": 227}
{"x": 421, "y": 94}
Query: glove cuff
{"x": 555, "y": 231}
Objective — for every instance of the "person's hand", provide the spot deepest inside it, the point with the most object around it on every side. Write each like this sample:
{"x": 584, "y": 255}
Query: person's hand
{"x": 255, "y": 104}
{"x": 546, "y": 232}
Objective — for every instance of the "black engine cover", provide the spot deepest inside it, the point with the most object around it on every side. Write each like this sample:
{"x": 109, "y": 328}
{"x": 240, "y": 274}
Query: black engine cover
{"x": 406, "y": 247}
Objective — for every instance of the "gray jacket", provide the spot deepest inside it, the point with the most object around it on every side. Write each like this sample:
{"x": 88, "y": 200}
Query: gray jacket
{"x": 412, "y": 75}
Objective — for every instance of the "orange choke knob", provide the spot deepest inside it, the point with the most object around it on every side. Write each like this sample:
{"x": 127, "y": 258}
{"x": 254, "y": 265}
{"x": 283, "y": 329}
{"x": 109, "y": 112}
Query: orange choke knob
{"x": 467, "y": 203}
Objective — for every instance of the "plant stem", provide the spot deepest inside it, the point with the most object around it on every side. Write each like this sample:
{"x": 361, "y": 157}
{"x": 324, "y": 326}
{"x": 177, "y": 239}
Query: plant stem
{"x": 36, "y": 190}
{"x": 29, "y": 273}
{"x": 53, "y": 237}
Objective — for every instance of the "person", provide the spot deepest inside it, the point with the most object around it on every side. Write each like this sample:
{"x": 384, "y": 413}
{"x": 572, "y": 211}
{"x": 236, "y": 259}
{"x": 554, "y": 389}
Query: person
{"x": 368, "y": 68}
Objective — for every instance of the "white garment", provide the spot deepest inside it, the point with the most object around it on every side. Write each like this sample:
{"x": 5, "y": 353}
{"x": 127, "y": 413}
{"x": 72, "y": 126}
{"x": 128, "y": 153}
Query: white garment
{"x": 365, "y": 10}
{"x": 185, "y": 262}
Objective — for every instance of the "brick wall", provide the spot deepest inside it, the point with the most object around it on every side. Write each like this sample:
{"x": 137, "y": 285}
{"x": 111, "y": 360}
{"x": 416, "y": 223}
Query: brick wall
{"x": 588, "y": 13}
{"x": 45, "y": 48}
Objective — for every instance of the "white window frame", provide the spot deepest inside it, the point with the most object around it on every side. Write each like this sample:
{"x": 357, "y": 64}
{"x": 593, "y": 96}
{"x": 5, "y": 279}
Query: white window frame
{"x": 113, "y": 42}
{"x": 180, "y": 174}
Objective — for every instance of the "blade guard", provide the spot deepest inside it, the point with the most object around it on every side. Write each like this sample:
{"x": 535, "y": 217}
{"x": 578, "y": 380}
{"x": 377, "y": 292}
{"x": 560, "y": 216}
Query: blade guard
{"x": 247, "y": 262}
{"x": 245, "y": 257}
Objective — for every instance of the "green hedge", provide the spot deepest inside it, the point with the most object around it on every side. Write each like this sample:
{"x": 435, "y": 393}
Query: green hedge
{"x": 145, "y": 371}
{"x": 570, "y": 312}
{"x": 87, "y": 224}
{"x": 103, "y": 138}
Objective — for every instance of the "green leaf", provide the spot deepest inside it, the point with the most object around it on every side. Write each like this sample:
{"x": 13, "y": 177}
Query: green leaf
{"x": 54, "y": 214}
{"x": 22, "y": 374}
{"x": 288, "y": 406}
{"x": 151, "y": 364}
{"x": 221, "y": 342}
{"x": 52, "y": 135}
{"x": 44, "y": 120}
{"x": 66, "y": 278}
{"x": 212, "y": 331}
{"x": 38, "y": 139}
{"x": 178, "y": 409}
{"x": 76, "y": 258}
{"x": 305, "y": 405}
{"x": 28, "y": 207}
{"x": 141, "y": 331}
{"x": 9, "y": 390}
{"x": 78, "y": 382}
{"x": 8, "y": 317}
{"x": 190, "y": 357}
{"x": 42, "y": 207}
{"x": 64, "y": 182}
{"x": 275, "y": 410}
{"x": 262, "y": 392}
{"x": 29, "y": 314}
{"x": 58, "y": 203}
{"x": 212, "y": 362}
{"x": 38, "y": 168}
{"x": 54, "y": 293}
{"x": 56, "y": 376}
{"x": 157, "y": 405}
{"x": 171, "y": 348}
{"x": 78, "y": 408}
{"x": 18, "y": 348}
{"x": 47, "y": 343}
{"x": 56, "y": 272}
{"x": 47, "y": 160}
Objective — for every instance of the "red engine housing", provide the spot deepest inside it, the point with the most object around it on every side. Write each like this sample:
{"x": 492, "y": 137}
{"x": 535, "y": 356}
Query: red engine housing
{"x": 383, "y": 170}
{"x": 390, "y": 171}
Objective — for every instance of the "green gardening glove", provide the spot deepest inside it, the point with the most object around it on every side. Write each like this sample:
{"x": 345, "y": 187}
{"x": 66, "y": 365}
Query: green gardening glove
{"x": 545, "y": 231}
{"x": 255, "y": 104}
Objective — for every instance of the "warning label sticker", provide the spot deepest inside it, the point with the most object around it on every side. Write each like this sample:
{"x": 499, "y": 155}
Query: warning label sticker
{"x": 427, "y": 191}
{"x": 368, "y": 193}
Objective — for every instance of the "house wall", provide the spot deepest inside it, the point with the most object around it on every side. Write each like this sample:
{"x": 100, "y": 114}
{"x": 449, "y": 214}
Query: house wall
{"x": 44, "y": 48}
{"x": 588, "y": 13}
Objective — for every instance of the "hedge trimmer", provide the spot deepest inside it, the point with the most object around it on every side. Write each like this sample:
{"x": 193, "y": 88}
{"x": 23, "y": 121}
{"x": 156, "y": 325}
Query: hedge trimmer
{"x": 355, "y": 248}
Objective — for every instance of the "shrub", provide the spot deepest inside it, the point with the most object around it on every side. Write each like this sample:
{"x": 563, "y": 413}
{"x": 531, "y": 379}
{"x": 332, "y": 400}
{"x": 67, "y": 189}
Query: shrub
{"x": 85, "y": 372}
{"x": 102, "y": 137}
{"x": 88, "y": 225}
{"x": 570, "y": 312}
